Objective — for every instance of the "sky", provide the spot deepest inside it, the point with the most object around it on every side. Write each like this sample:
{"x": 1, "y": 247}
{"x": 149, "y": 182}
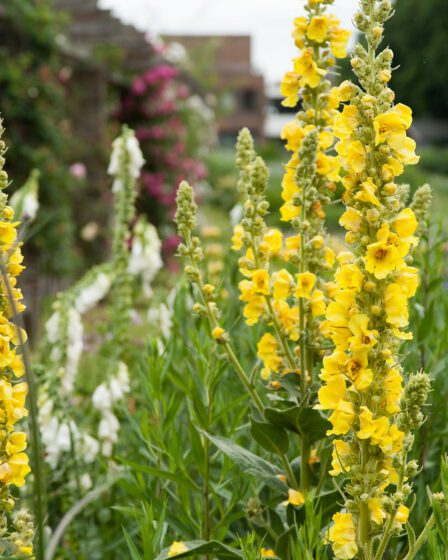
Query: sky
{"x": 269, "y": 22}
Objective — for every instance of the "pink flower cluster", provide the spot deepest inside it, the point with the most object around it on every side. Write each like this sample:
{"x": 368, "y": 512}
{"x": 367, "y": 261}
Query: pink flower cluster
{"x": 155, "y": 107}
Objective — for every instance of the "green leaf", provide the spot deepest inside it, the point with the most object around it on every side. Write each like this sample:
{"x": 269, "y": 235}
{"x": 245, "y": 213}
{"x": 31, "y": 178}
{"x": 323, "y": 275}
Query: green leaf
{"x": 307, "y": 422}
{"x": 131, "y": 546}
{"x": 248, "y": 462}
{"x": 273, "y": 438}
{"x": 203, "y": 547}
{"x": 288, "y": 418}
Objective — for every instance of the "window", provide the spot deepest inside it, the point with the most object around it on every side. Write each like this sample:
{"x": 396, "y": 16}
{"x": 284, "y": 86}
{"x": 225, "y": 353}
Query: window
{"x": 249, "y": 100}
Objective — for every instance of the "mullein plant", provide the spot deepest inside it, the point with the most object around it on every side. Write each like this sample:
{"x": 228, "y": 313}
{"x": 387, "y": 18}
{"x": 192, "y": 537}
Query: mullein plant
{"x": 63, "y": 348}
{"x": 283, "y": 287}
{"x": 16, "y": 528}
{"x": 291, "y": 300}
{"x": 375, "y": 407}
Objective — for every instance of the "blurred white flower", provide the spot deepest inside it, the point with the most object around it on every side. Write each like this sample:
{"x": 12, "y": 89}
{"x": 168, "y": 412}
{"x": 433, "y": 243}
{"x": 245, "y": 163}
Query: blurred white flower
{"x": 93, "y": 293}
{"x": 145, "y": 259}
{"x": 136, "y": 160}
{"x": 161, "y": 316}
{"x": 102, "y": 398}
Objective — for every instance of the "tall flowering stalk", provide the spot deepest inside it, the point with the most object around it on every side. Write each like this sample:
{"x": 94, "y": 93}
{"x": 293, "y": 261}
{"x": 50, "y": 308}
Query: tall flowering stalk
{"x": 283, "y": 288}
{"x": 13, "y": 459}
{"x": 292, "y": 302}
{"x": 373, "y": 412}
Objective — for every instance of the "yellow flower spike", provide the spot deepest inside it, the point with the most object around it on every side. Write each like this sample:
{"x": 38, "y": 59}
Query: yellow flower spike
{"x": 305, "y": 284}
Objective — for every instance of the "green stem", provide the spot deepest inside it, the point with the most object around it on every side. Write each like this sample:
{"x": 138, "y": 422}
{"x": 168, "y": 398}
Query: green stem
{"x": 421, "y": 539}
{"x": 305, "y": 471}
{"x": 364, "y": 514}
{"x": 389, "y": 525}
{"x": 239, "y": 369}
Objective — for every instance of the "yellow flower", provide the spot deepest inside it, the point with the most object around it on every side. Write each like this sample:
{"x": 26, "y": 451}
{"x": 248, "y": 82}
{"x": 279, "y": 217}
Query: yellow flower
{"x": 238, "y": 237}
{"x": 306, "y": 67}
{"x": 15, "y": 470}
{"x": 370, "y": 428}
{"x": 295, "y": 497}
{"x": 405, "y": 223}
{"x": 272, "y": 242}
{"x": 382, "y": 257}
{"x": 314, "y": 457}
{"x": 393, "y": 168}
{"x": 402, "y": 515}
{"x": 299, "y": 33}
{"x": 391, "y": 126}
{"x": 329, "y": 257}
{"x": 362, "y": 338}
{"x": 294, "y": 134}
{"x": 353, "y": 154}
{"x": 305, "y": 283}
{"x": 338, "y": 42}
{"x": 218, "y": 333}
{"x": 358, "y": 371}
{"x": 396, "y": 306}
{"x": 282, "y": 284}
{"x": 289, "y": 211}
{"x": 367, "y": 192}
{"x": 290, "y": 89}
{"x": 254, "y": 309}
{"x": 349, "y": 277}
{"x": 268, "y": 353}
{"x": 351, "y": 219}
{"x": 268, "y": 553}
{"x": 407, "y": 279}
{"x": 346, "y": 122}
{"x": 331, "y": 394}
{"x": 393, "y": 385}
{"x": 288, "y": 317}
{"x": 377, "y": 513}
{"x": 342, "y": 534}
{"x": 318, "y": 307}
{"x": 16, "y": 443}
{"x": 260, "y": 281}
{"x": 346, "y": 91}
{"x": 318, "y": 28}
{"x": 339, "y": 463}
{"x": 177, "y": 548}
{"x": 342, "y": 418}
{"x": 8, "y": 234}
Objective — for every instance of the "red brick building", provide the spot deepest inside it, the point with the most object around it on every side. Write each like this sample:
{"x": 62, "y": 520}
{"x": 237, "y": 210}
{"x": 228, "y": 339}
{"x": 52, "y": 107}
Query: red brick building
{"x": 227, "y": 61}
